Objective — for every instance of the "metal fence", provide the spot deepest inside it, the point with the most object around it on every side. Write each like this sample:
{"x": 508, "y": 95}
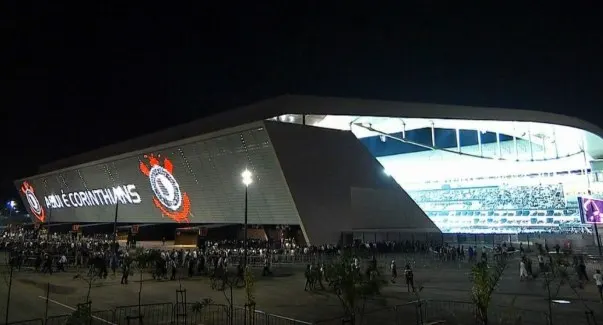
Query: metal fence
{"x": 168, "y": 313}
{"x": 161, "y": 313}
{"x": 37, "y": 321}
{"x": 460, "y": 312}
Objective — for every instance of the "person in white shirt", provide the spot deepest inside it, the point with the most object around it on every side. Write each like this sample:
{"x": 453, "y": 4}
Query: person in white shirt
{"x": 62, "y": 262}
{"x": 394, "y": 271}
{"x": 523, "y": 272}
{"x": 599, "y": 282}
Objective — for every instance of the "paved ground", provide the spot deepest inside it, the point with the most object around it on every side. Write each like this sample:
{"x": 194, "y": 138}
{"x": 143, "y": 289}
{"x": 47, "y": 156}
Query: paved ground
{"x": 282, "y": 294}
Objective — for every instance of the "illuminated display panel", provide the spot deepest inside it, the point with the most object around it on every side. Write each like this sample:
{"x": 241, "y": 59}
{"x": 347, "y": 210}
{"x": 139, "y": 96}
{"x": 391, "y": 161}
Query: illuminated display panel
{"x": 501, "y": 183}
{"x": 590, "y": 210}
{"x": 198, "y": 182}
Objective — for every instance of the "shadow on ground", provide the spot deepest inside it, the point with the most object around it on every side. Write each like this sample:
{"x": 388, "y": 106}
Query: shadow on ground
{"x": 53, "y": 288}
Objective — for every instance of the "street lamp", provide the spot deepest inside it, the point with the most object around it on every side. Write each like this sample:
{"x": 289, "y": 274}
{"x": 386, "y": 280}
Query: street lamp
{"x": 247, "y": 180}
{"x": 12, "y": 205}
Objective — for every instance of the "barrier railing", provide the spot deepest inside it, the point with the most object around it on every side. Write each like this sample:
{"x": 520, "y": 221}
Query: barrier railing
{"x": 37, "y": 321}
{"x": 168, "y": 313}
{"x": 460, "y": 312}
{"x": 161, "y": 313}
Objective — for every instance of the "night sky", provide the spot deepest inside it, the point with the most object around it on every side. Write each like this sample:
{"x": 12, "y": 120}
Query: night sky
{"x": 83, "y": 77}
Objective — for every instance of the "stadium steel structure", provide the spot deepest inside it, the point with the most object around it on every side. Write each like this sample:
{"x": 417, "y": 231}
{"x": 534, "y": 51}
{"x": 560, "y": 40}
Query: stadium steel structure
{"x": 310, "y": 165}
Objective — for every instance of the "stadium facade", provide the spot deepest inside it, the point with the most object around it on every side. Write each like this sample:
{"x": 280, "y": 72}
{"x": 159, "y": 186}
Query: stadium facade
{"x": 336, "y": 166}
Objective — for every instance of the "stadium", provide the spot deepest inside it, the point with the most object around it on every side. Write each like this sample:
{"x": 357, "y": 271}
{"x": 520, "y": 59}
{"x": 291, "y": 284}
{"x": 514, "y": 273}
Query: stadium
{"x": 333, "y": 170}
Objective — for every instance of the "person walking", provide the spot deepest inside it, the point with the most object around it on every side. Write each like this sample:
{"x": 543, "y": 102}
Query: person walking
{"x": 125, "y": 269}
{"x": 410, "y": 278}
{"x": 523, "y": 272}
{"x": 599, "y": 282}
{"x": 394, "y": 271}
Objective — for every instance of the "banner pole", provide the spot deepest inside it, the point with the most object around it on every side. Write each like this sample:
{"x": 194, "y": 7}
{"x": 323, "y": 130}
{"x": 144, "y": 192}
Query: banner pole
{"x": 48, "y": 224}
{"x": 115, "y": 227}
{"x": 596, "y": 226}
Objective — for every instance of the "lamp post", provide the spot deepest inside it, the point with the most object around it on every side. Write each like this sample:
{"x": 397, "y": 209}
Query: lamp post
{"x": 12, "y": 205}
{"x": 247, "y": 180}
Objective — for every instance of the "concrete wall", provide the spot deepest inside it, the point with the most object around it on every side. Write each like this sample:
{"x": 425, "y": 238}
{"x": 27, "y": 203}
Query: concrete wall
{"x": 321, "y": 167}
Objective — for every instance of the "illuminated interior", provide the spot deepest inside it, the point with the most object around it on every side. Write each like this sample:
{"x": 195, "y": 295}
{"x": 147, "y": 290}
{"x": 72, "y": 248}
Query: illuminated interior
{"x": 475, "y": 176}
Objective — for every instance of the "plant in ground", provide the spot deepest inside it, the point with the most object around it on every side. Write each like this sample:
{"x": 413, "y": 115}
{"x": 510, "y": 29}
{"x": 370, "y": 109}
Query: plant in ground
{"x": 485, "y": 279}
{"x": 354, "y": 288}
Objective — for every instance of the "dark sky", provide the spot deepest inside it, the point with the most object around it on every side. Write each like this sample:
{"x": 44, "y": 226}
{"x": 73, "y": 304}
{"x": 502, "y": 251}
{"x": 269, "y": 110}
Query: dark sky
{"x": 87, "y": 76}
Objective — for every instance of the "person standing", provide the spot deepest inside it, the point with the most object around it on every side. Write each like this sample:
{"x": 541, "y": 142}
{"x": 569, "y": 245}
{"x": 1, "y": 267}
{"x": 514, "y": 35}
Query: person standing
{"x": 394, "y": 271}
{"x": 523, "y": 272}
{"x": 540, "y": 263}
{"x": 410, "y": 278}
{"x": 599, "y": 282}
{"x": 125, "y": 269}
{"x": 174, "y": 267}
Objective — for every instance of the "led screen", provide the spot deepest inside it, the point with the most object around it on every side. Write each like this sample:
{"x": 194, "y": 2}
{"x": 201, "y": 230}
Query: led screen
{"x": 199, "y": 182}
{"x": 590, "y": 209}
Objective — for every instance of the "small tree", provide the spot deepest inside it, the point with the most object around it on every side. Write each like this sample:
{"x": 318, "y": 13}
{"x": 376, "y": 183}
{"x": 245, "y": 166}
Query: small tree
{"x": 7, "y": 275}
{"x": 352, "y": 287}
{"x": 89, "y": 279}
{"x": 250, "y": 295}
{"x": 485, "y": 280}
{"x": 83, "y": 312}
{"x": 557, "y": 277}
{"x": 229, "y": 282}
{"x": 143, "y": 261}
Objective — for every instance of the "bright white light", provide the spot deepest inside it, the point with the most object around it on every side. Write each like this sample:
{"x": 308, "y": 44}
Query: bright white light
{"x": 12, "y": 204}
{"x": 562, "y": 301}
{"x": 247, "y": 177}
{"x": 386, "y": 172}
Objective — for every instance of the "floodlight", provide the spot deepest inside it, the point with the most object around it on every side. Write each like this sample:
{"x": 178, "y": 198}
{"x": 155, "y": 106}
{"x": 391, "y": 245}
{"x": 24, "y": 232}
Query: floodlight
{"x": 247, "y": 177}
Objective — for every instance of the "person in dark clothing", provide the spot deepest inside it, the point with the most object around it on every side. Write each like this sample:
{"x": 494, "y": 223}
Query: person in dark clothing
{"x": 582, "y": 270}
{"x": 191, "y": 267}
{"x": 308, "y": 275}
{"x": 266, "y": 270}
{"x": 125, "y": 269}
{"x": 114, "y": 263}
{"x": 174, "y": 269}
{"x": 410, "y": 279}
{"x": 47, "y": 264}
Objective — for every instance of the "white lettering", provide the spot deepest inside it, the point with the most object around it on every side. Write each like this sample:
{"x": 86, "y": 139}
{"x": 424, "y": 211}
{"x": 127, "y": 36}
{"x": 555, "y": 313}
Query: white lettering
{"x": 84, "y": 198}
{"x": 131, "y": 189}
{"x": 123, "y": 194}
{"x": 70, "y": 196}
{"x": 93, "y": 199}
{"x": 48, "y": 202}
{"x": 119, "y": 194}
{"x": 65, "y": 201}
{"x": 76, "y": 199}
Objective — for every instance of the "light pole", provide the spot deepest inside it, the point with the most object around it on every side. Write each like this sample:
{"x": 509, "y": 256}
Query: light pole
{"x": 11, "y": 207}
{"x": 247, "y": 180}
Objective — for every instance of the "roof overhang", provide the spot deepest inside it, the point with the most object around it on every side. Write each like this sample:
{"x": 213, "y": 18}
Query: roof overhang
{"x": 322, "y": 106}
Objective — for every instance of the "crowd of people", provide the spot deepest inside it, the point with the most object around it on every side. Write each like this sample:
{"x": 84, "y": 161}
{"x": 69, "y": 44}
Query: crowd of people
{"x": 543, "y": 197}
{"x": 100, "y": 255}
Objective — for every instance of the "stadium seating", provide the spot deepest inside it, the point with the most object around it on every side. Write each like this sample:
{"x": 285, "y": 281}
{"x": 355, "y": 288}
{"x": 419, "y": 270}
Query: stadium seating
{"x": 540, "y": 197}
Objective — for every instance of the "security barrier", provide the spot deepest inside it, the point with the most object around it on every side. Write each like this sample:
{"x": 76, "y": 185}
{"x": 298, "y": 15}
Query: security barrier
{"x": 166, "y": 313}
{"x": 37, "y": 321}
{"x": 459, "y": 312}
{"x": 161, "y": 313}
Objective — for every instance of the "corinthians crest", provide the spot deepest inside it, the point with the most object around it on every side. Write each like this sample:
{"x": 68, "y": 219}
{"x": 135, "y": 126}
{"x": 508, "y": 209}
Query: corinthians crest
{"x": 30, "y": 195}
{"x": 168, "y": 198}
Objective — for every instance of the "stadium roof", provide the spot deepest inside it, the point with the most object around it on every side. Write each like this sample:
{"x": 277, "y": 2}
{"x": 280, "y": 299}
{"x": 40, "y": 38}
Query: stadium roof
{"x": 345, "y": 113}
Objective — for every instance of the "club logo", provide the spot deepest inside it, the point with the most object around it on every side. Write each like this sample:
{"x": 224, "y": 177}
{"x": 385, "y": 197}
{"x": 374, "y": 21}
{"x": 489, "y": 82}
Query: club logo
{"x": 36, "y": 208}
{"x": 169, "y": 199}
